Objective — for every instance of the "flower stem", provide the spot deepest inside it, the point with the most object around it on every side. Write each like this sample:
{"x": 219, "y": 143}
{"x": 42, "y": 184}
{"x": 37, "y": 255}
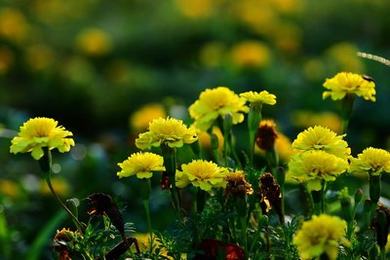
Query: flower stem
{"x": 254, "y": 118}
{"x": 347, "y": 106}
{"x": 46, "y": 163}
{"x": 169, "y": 155}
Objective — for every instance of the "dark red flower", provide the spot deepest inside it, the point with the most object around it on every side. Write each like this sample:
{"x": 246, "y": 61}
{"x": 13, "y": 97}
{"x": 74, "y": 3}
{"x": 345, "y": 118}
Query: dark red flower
{"x": 212, "y": 249}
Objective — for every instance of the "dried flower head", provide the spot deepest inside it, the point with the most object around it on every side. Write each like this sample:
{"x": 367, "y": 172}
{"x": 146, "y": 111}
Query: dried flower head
{"x": 102, "y": 204}
{"x": 270, "y": 195}
{"x": 346, "y": 83}
{"x": 216, "y": 102}
{"x": 237, "y": 185}
{"x": 266, "y": 135}
{"x": 41, "y": 132}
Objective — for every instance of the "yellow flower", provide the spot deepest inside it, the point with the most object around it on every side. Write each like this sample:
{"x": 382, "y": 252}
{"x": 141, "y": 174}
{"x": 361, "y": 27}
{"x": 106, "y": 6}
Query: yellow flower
{"x": 326, "y": 119}
{"x": 372, "y": 160}
{"x": 205, "y": 140}
{"x": 13, "y": 25}
{"x": 141, "y": 118}
{"x": 41, "y": 132}
{"x": 94, "y": 42}
{"x": 250, "y": 54}
{"x": 387, "y": 247}
{"x": 322, "y": 234}
{"x": 142, "y": 165}
{"x": 203, "y": 174}
{"x": 313, "y": 166}
{"x": 349, "y": 83}
{"x": 216, "y": 102}
{"x": 197, "y": 8}
{"x": 169, "y": 131}
{"x": 60, "y": 186}
{"x": 262, "y": 97}
{"x": 9, "y": 188}
{"x": 321, "y": 138}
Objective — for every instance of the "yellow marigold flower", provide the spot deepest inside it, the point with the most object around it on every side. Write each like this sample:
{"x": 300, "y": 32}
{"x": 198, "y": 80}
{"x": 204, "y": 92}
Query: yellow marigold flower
{"x": 263, "y": 97}
{"x": 94, "y": 42}
{"x": 250, "y": 54}
{"x": 216, "y": 102}
{"x": 141, "y": 118}
{"x": 142, "y": 165}
{"x": 324, "y": 139}
{"x": 197, "y": 8}
{"x": 41, "y": 132}
{"x": 313, "y": 166}
{"x": 306, "y": 119}
{"x": 203, "y": 174}
{"x": 321, "y": 235}
{"x": 169, "y": 131}
{"x": 387, "y": 247}
{"x": 372, "y": 160}
{"x": 13, "y": 24}
{"x": 345, "y": 83}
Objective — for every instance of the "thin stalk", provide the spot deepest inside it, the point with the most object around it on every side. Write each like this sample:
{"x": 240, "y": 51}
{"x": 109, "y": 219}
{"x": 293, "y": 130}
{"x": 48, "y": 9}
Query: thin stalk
{"x": 146, "y": 203}
{"x": 48, "y": 161}
{"x": 254, "y": 118}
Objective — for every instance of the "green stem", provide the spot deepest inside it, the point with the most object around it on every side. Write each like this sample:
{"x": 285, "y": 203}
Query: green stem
{"x": 46, "y": 163}
{"x": 254, "y": 118}
{"x": 323, "y": 184}
{"x": 347, "y": 106}
{"x": 149, "y": 222}
{"x": 169, "y": 155}
{"x": 309, "y": 201}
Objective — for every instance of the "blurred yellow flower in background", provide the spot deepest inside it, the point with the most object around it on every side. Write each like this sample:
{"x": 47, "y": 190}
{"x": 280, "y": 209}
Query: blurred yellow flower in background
{"x": 314, "y": 69}
{"x": 304, "y": 119}
{"x": 373, "y": 161}
{"x": 205, "y": 140}
{"x": 141, "y": 118}
{"x": 13, "y": 25}
{"x": 142, "y": 165}
{"x": 346, "y": 83}
{"x": 94, "y": 42}
{"x": 323, "y": 139}
{"x": 203, "y": 174}
{"x": 212, "y": 54}
{"x": 6, "y": 60}
{"x": 40, "y": 132}
{"x": 169, "y": 131}
{"x": 197, "y": 8}
{"x": 263, "y": 97}
{"x": 60, "y": 185}
{"x": 321, "y": 235}
{"x": 343, "y": 56}
{"x": 250, "y": 54}
{"x": 216, "y": 102}
{"x": 9, "y": 188}
{"x": 314, "y": 166}
{"x": 39, "y": 57}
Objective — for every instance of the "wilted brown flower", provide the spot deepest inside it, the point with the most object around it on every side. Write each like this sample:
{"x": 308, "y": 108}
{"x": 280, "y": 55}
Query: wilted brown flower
{"x": 237, "y": 185}
{"x": 270, "y": 195}
{"x": 381, "y": 225}
{"x": 60, "y": 243}
{"x": 266, "y": 135}
{"x": 100, "y": 204}
{"x": 215, "y": 249}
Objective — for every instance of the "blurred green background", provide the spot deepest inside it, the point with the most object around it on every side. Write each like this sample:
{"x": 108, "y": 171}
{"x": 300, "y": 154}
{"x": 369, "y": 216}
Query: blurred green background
{"x": 91, "y": 64}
